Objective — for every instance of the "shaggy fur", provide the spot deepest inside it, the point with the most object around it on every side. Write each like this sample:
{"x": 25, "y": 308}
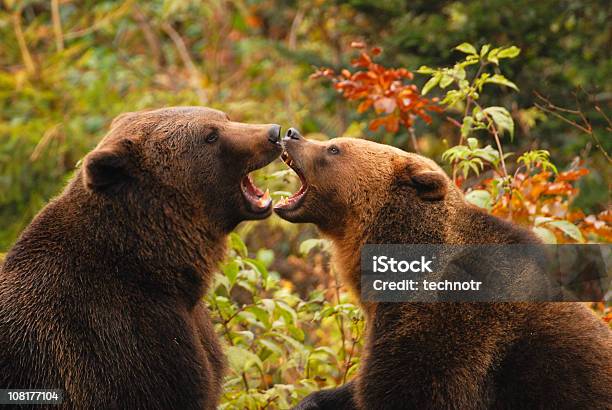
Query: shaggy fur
{"x": 101, "y": 294}
{"x": 441, "y": 355}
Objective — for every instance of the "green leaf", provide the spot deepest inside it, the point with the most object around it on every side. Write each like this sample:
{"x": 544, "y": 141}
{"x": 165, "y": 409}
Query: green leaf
{"x": 270, "y": 345}
{"x": 484, "y": 50}
{"x": 295, "y": 345}
{"x": 500, "y": 79}
{"x": 465, "y": 169}
{"x": 492, "y": 57}
{"x": 310, "y": 244}
{"x": 258, "y": 266}
{"x": 480, "y": 198}
{"x": 539, "y": 220}
{"x": 568, "y": 228}
{"x": 246, "y": 335}
{"x": 326, "y": 350}
{"x": 466, "y": 48}
{"x": 545, "y": 234}
{"x": 261, "y": 314}
{"x": 296, "y": 333}
{"x": 425, "y": 70}
{"x": 237, "y": 244}
{"x": 459, "y": 73}
{"x": 446, "y": 81}
{"x": 266, "y": 256}
{"x": 466, "y": 126}
{"x": 287, "y": 313}
{"x": 509, "y": 52}
{"x": 241, "y": 360}
{"x": 431, "y": 83}
{"x": 230, "y": 270}
{"x": 474, "y": 165}
{"x": 472, "y": 143}
{"x": 502, "y": 119}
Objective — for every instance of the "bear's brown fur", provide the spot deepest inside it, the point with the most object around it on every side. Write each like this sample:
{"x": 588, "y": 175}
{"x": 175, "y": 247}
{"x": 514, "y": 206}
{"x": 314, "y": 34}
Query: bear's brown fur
{"x": 439, "y": 355}
{"x": 102, "y": 294}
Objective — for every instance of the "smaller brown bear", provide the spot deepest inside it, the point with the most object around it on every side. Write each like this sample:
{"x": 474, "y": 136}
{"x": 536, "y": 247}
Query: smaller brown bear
{"x": 101, "y": 296}
{"x": 439, "y": 355}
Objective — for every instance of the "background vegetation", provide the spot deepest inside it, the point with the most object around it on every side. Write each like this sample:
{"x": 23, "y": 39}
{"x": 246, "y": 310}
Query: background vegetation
{"x": 67, "y": 68}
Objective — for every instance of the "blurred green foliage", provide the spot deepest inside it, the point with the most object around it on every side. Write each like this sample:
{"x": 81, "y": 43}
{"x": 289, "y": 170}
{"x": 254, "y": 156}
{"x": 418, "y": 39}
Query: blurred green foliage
{"x": 68, "y": 67}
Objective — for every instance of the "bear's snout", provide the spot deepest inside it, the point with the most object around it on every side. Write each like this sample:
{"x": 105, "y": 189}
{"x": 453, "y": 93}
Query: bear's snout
{"x": 274, "y": 134}
{"x": 293, "y": 134}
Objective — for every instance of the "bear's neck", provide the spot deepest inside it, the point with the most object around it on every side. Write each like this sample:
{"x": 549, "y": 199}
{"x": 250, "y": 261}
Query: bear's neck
{"x": 162, "y": 247}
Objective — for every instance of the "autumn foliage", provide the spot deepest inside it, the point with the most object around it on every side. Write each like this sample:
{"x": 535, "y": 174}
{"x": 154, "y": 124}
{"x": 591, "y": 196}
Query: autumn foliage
{"x": 543, "y": 201}
{"x": 387, "y": 91}
{"x": 535, "y": 194}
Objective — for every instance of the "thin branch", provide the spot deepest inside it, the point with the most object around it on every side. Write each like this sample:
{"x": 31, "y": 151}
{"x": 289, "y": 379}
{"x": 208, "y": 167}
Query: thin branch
{"x": 551, "y": 108}
{"x": 100, "y": 23}
{"x": 181, "y": 47}
{"x": 468, "y": 104}
{"x": 149, "y": 35}
{"x": 413, "y": 138}
{"x": 495, "y": 133}
{"x": 585, "y": 127}
{"x": 47, "y": 137}
{"x": 559, "y": 116}
{"x": 551, "y": 105}
{"x": 453, "y": 121}
{"x": 339, "y": 318}
{"x": 347, "y": 363}
{"x": 57, "y": 25}
{"x": 297, "y": 21}
{"x": 469, "y": 99}
{"x": 603, "y": 114}
{"x": 28, "y": 62}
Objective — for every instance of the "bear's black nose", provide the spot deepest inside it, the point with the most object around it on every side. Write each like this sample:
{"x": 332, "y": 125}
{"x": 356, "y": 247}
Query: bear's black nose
{"x": 293, "y": 134}
{"x": 274, "y": 134}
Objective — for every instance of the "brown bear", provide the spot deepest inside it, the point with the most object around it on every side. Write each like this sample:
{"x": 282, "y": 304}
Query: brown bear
{"x": 439, "y": 355}
{"x": 101, "y": 295}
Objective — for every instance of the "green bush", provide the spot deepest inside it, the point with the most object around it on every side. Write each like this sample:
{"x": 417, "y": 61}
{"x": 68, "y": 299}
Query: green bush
{"x": 279, "y": 346}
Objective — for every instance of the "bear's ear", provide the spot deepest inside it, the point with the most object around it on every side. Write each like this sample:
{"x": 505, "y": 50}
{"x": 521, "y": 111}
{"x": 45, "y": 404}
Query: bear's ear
{"x": 430, "y": 185}
{"x": 107, "y": 167}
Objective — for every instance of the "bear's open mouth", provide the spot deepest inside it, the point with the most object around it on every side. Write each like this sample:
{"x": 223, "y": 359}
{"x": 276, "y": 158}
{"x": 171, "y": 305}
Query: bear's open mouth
{"x": 258, "y": 200}
{"x": 294, "y": 200}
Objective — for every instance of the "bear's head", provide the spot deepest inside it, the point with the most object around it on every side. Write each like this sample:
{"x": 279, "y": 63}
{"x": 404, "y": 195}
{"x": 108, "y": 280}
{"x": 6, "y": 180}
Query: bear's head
{"x": 351, "y": 185}
{"x": 183, "y": 157}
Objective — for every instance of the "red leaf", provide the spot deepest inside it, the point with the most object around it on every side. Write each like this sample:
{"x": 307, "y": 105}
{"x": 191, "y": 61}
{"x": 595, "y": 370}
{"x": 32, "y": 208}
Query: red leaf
{"x": 377, "y": 123}
{"x": 363, "y": 107}
{"x": 385, "y": 104}
{"x": 572, "y": 175}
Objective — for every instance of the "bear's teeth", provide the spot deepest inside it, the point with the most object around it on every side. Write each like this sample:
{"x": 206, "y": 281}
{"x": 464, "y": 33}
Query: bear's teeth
{"x": 265, "y": 200}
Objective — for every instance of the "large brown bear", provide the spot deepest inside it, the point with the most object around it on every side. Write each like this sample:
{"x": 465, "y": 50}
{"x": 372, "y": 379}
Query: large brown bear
{"x": 439, "y": 355}
{"x": 102, "y": 294}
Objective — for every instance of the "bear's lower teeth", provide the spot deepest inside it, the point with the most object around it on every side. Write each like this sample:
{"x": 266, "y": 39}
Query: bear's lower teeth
{"x": 265, "y": 200}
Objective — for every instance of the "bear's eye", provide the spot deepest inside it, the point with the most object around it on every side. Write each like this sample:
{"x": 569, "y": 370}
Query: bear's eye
{"x": 333, "y": 150}
{"x": 212, "y": 137}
